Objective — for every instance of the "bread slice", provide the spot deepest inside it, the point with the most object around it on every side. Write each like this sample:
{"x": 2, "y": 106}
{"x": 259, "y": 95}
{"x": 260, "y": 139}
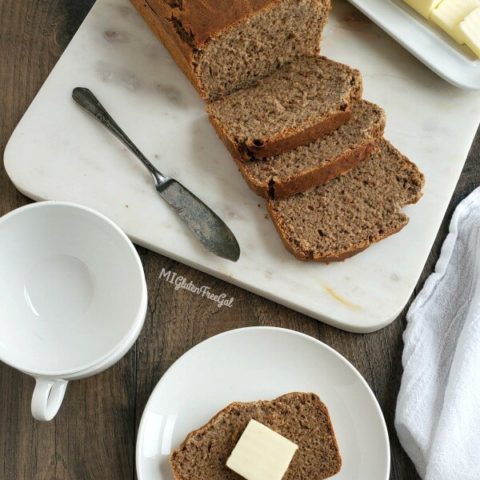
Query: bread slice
{"x": 225, "y": 47}
{"x": 294, "y": 106}
{"x": 300, "y": 417}
{"x": 343, "y": 217}
{"x": 328, "y": 157}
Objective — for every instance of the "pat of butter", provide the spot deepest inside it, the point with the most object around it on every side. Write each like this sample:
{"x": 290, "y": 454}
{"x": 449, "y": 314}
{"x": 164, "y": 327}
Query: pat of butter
{"x": 470, "y": 29}
{"x": 261, "y": 453}
{"x": 424, "y": 7}
{"x": 449, "y": 14}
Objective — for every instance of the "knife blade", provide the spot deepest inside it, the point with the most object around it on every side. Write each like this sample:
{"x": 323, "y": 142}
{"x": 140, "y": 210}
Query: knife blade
{"x": 203, "y": 222}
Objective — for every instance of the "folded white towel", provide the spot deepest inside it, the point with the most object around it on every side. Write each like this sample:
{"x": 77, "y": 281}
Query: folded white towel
{"x": 438, "y": 409}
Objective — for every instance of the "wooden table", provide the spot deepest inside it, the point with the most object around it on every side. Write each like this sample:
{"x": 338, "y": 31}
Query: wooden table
{"x": 93, "y": 436}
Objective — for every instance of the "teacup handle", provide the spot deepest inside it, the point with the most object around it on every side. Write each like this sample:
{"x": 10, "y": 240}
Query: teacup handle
{"x": 47, "y": 398}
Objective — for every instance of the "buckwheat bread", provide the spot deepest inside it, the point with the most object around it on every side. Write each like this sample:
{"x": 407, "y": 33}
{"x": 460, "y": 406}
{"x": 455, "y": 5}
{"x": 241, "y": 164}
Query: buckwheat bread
{"x": 293, "y": 106}
{"x": 345, "y": 216}
{"x": 314, "y": 164}
{"x": 225, "y": 47}
{"x": 300, "y": 417}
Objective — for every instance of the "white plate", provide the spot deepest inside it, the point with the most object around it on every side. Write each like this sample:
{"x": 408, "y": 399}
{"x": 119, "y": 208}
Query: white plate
{"x": 262, "y": 363}
{"x": 425, "y": 40}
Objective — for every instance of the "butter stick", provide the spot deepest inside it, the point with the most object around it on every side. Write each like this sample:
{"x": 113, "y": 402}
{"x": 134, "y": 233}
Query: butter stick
{"x": 470, "y": 31}
{"x": 424, "y": 7}
{"x": 449, "y": 14}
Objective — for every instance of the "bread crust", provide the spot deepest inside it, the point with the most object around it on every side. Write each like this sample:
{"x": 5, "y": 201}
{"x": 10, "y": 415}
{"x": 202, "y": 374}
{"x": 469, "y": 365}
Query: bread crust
{"x": 165, "y": 31}
{"x": 204, "y": 20}
{"x": 257, "y": 149}
{"x": 278, "y": 189}
{"x": 291, "y": 138}
{"x": 177, "y": 475}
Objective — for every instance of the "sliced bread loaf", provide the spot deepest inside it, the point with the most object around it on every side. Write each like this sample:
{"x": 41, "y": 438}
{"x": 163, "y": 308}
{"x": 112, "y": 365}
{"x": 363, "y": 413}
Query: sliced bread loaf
{"x": 300, "y": 417}
{"x": 294, "y": 106}
{"x": 223, "y": 46}
{"x": 314, "y": 164}
{"x": 343, "y": 217}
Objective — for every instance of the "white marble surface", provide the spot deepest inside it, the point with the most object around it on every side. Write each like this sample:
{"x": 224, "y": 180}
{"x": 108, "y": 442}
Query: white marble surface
{"x": 58, "y": 152}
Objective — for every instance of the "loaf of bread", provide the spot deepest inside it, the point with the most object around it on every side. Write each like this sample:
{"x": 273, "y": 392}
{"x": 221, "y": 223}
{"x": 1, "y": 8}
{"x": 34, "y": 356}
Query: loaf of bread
{"x": 295, "y": 105}
{"x": 343, "y": 217}
{"x": 300, "y": 417}
{"x": 293, "y": 121}
{"x": 328, "y": 157}
{"x": 224, "y": 46}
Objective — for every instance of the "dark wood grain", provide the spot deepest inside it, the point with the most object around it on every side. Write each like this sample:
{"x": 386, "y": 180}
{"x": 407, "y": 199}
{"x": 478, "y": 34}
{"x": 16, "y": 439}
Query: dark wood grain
{"x": 93, "y": 436}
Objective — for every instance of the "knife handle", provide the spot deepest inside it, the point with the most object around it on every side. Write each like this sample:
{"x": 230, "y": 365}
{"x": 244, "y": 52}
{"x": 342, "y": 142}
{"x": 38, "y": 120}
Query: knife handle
{"x": 87, "y": 100}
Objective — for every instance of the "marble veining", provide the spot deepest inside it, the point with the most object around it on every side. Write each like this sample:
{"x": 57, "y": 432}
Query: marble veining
{"x": 58, "y": 152}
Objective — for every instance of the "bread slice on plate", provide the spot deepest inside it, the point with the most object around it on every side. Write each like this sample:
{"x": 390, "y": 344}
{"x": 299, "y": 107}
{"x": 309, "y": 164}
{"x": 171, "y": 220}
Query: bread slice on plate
{"x": 225, "y": 47}
{"x": 314, "y": 164}
{"x": 343, "y": 217}
{"x": 300, "y": 417}
{"x": 294, "y": 106}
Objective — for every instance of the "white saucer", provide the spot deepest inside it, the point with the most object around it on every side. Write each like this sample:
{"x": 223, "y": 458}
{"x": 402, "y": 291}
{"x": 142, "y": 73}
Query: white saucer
{"x": 262, "y": 363}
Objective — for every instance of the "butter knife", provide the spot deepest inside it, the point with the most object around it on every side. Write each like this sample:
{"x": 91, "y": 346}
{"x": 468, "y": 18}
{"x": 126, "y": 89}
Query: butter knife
{"x": 204, "y": 223}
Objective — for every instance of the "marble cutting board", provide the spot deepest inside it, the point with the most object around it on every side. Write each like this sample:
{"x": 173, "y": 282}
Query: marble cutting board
{"x": 58, "y": 152}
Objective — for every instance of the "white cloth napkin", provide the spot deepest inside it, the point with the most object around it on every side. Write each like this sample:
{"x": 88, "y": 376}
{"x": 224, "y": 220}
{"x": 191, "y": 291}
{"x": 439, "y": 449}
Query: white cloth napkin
{"x": 438, "y": 408}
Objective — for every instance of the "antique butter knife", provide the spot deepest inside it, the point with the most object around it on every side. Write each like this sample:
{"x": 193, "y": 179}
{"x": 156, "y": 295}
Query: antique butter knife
{"x": 205, "y": 224}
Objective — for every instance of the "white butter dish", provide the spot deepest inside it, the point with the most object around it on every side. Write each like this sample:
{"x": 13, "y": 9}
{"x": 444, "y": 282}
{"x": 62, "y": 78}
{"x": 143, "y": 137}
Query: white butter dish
{"x": 453, "y": 62}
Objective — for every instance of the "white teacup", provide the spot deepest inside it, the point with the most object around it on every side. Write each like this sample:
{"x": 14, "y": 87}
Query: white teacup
{"x": 73, "y": 296}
